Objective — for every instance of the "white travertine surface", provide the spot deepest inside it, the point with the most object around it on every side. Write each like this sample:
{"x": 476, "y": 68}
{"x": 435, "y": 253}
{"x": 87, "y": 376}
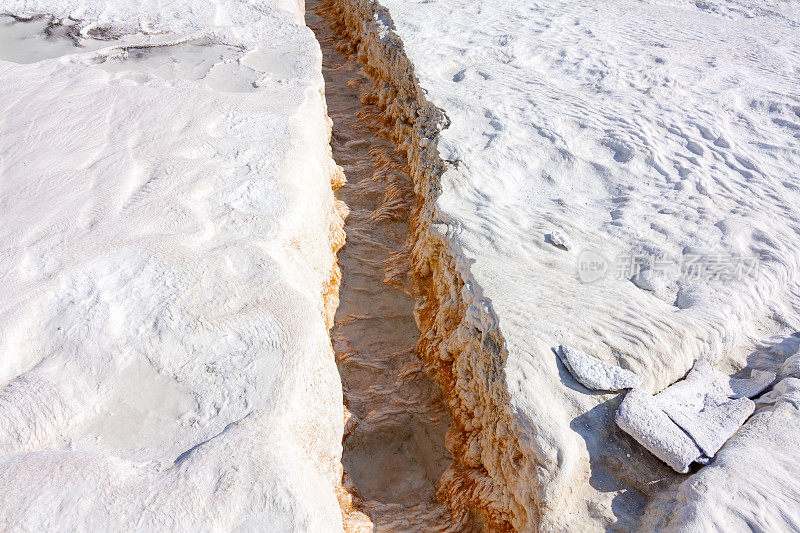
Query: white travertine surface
{"x": 168, "y": 233}
{"x": 664, "y": 132}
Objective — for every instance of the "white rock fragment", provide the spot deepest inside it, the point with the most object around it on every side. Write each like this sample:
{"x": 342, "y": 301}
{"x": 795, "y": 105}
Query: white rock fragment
{"x": 641, "y": 416}
{"x": 559, "y": 240}
{"x": 751, "y": 485}
{"x": 753, "y": 386}
{"x": 691, "y": 393}
{"x": 713, "y": 426}
{"x": 596, "y": 374}
{"x": 703, "y": 380}
{"x": 790, "y": 368}
{"x": 707, "y": 408}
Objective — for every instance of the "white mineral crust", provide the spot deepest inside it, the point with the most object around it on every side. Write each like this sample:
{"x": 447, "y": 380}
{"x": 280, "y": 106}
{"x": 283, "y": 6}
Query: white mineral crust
{"x": 660, "y": 130}
{"x": 596, "y": 374}
{"x": 166, "y": 243}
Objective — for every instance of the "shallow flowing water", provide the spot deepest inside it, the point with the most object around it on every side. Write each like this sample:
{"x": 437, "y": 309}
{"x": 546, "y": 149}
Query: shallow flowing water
{"x": 394, "y": 452}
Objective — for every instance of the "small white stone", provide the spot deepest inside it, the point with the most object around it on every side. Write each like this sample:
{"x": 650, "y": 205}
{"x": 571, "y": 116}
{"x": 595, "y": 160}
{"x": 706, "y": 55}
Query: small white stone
{"x": 596, "y": 374}
{"x": 559, "y": 240}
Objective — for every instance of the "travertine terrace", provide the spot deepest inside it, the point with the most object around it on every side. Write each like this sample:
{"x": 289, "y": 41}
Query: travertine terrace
{"x": 400, "y": 276}
{"x": 169, "y": 237}
{"x": 536, "y": 133}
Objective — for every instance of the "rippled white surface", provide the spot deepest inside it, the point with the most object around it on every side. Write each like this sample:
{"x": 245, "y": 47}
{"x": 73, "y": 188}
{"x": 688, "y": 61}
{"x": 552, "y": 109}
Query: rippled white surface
{"x": 666, "y": 130}
{"x": 165, "y": 244}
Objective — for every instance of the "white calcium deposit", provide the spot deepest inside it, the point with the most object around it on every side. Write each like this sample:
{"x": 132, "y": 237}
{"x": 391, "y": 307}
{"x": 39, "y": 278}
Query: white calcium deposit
{"x": 753, "y": 483}
{"x": 636, "y": 131}
{"x": 167, "y": 237}
{"x": 595, "y": 374}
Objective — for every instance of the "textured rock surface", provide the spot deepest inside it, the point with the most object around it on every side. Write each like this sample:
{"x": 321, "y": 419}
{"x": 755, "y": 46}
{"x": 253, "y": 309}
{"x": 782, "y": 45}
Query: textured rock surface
{"x": 448, "y": 305}
{"x": 394, "y": 444}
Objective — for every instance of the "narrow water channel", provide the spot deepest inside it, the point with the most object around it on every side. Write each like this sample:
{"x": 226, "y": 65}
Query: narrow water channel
{"x": 394, "y": 452}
